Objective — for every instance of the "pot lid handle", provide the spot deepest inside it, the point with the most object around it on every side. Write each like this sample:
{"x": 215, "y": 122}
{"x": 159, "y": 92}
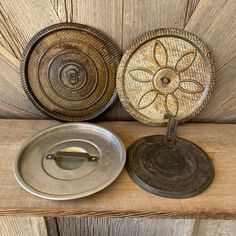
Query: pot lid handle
{"x": 73, "y": 155}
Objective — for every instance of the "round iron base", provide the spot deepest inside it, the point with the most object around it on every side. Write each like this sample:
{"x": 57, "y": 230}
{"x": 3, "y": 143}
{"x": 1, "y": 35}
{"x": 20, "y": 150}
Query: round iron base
{"x": 178, "y": 169}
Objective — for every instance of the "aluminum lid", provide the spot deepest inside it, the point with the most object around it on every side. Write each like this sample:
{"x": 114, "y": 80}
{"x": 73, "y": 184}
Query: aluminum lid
{"x": 70, "y": 161}
{"x": 68, "y": 71}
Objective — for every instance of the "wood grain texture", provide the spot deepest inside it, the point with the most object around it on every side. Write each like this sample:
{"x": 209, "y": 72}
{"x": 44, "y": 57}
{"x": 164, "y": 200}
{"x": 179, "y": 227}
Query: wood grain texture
{"x": 222, "y": 105}
{"x": 215, "y": 228}
{"x": 22, "y": 226}
{"x": 124, "y": 226}
{"x": 10, "y": 37}
{"x": 71, "y": 226}
{"x": 191, "y": 6}
{"x": 52, "y": 226}
{"x": 20, "y": 23}
{"x": 213, "y": 22}
{"x": 117, "y": 112}
{"x": 105, "y": 15}
{"x": 124, "y": 198}
{"x": 23, "y": 21}
{"x": 142, "y": 16}
{"x": 64, "y": 9}
{"x": 13, "y": 101}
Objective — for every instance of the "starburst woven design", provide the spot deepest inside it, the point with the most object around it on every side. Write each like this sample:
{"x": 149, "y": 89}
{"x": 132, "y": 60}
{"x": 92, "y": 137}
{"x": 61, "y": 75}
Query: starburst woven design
{"x": 167, "y": 79}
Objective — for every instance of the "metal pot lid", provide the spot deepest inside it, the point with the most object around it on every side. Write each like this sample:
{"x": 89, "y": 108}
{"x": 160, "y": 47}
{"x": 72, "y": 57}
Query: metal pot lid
{"x": 165, "y": 72}
{"x": 69, "y": 161}
{"x": 68, "y": 71}
{"x": 178, "y": 169}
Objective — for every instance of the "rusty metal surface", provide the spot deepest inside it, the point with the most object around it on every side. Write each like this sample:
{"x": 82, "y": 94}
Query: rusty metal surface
{"x": 166, "y": 71}
{"x": 177, "y": 169}
{"x": 68, "y": 71}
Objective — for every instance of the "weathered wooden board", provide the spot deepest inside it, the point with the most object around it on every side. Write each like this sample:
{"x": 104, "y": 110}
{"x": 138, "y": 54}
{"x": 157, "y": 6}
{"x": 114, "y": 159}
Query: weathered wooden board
{"x": 213, "y": 21}
{"x": 52, "y": 226}
{"x": 22, "y": 226}
{"x": 215, "y": 228}
{"x": 142, "y": 16}
{"x": 124, "y": 198}
{"x": 13, "y": 101}
{"x": 71, "y": 226}
{"x": 21, "y": 19}
{"x": 191, "y": 6}
{"x": 124, "y": 226}
{"x": 222, "y": 105}
{"x": 105, "y": 15}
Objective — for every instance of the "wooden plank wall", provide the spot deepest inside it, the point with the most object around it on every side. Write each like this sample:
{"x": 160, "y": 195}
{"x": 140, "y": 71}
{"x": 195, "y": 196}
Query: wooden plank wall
{"x": 64, "y": 226}
{"x": 142, "y": 227}
{"x": 123, "y": 20}
{"x": 22, "y": 226}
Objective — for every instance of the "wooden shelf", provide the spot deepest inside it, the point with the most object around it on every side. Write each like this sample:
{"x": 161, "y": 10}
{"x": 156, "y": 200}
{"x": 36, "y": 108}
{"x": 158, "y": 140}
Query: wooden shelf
{"x": 124, "y": 198}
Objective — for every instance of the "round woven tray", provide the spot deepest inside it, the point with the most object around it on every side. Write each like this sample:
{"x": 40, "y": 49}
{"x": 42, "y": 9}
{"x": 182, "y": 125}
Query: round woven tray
{"x": 166, "y": 72}
{"x": 68, "y": 71}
